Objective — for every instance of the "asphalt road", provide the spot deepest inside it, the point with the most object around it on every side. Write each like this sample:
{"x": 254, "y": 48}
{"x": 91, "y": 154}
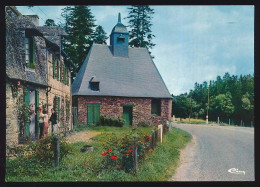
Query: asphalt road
{"x": 213, "y": 151}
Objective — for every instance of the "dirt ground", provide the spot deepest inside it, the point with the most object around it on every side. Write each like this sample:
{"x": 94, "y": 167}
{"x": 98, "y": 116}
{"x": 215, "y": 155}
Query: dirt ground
{"x": 84, "y": 136}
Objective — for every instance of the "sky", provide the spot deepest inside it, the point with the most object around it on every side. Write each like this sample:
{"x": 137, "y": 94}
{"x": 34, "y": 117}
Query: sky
{"x": 193, "y": 43}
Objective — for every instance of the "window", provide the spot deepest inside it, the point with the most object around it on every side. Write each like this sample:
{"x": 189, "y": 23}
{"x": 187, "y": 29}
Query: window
{"x": 156, "y": 107}
{"x": 61, "y": 74}
{"x": 94, "y": 86}
{"x": 29, "y": 52}
{"x": 121, "y": 40}
{"x": 55, "y": 66}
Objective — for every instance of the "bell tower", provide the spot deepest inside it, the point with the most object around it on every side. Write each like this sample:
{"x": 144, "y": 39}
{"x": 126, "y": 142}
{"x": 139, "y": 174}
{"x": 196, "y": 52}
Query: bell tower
{"x": 119, "y": 39}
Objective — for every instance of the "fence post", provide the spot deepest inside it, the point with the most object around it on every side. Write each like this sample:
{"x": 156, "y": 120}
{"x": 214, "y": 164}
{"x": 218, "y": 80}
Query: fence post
{"x": 153, "y": 139}
{"x": 135, "y": 166}
{"x": 170, "y": 125}
{"x": 160, "y": 129}
{"x": 56, "y": 150}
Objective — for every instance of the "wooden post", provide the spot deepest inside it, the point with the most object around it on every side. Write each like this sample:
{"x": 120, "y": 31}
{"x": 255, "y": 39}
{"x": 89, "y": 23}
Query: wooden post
{"x": 56, "y": 150}
{"x": 160, "y": 132}
{"x": 153, "y": 139}
{"x": 135, "y": 166}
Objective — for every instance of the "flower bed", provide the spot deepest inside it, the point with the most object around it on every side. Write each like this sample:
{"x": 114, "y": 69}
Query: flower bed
{"x": 118, "y": 151}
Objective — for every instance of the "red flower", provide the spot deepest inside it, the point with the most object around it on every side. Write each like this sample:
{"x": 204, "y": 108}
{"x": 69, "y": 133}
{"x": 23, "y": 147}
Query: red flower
{"x": 18, "y": 83}
{"x": 123, "y": 155}
{"x": 113, "y": 157}
{"x": 104, "y": 153}
{"x": 109, "y": 150}
{"x": 129, "y": 151}
{"x": 131, "y": 147}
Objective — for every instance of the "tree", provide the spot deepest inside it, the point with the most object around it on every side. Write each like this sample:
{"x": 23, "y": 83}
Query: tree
{"x": 139, "y": 21}
{"x": 50, "y": 22}
{"x": 100, "y": 35}
{"x": 79, "y": 24}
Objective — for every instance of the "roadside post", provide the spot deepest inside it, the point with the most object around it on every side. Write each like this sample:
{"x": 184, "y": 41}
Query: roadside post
{"x": 218, "y": 120}
{"x": 229, "y": 121}
{"x": 56, "y": 150}
{"x": 207, "y": 119}
{"x": 160, "y": 129}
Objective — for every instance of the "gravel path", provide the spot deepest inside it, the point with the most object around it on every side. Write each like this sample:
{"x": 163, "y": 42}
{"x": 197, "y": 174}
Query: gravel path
{"x": 213, "y": 151}
{"x": 83, "y": 136}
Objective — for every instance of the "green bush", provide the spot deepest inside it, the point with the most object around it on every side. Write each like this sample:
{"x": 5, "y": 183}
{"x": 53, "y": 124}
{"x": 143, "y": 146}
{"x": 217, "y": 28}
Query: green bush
{"x": 144, "y": 124}
{"x": 106, "y": 121}
{"x": 34, "y": 158}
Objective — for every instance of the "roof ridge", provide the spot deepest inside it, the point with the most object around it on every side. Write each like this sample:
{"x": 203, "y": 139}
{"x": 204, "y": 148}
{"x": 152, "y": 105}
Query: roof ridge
{"x": 83, "y": 70}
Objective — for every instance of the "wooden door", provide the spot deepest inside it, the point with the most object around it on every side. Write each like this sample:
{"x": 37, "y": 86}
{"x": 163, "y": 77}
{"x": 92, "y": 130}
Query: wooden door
{"x": 128, "y": 115}
{"x": 93, "y": 113}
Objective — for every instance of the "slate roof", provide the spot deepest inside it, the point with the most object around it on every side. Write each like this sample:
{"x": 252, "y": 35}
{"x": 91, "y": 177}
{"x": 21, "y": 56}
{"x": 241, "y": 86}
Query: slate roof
{"x": 15, "y": 46}
{"x": 136, "y": 76}
{"x": 52, "y": 33}
{"x": 119, "y": 28}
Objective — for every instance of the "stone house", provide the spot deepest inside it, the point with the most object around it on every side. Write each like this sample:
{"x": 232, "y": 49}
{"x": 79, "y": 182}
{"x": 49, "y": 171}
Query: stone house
{"x": 37, "y": 74}
{"x": 119, "y": 81}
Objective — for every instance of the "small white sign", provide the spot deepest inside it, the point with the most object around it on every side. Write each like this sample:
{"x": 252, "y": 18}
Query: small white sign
{"x": 236, "y": 171}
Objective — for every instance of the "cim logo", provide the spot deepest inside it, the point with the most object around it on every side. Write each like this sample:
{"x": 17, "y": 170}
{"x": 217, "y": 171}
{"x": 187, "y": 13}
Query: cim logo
{"x": 236, "y": 171}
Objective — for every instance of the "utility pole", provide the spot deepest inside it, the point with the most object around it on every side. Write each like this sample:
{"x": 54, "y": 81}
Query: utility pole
{"x": 207, "y": 117}
{"x": 190, "y": 110}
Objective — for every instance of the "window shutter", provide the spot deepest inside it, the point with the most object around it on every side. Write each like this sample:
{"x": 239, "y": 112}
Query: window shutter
{"x": 61, "y": 67}
{"x": 33, "y": 50}
{"x": 58, "y": 69}
{"x": 65, "y": 75}
{"x": 54, "y": 66}
{"x": 59, "y": 108}
{"x": 27, "y": 120}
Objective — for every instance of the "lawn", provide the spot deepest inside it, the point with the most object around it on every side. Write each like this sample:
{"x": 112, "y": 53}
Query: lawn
{"x": 159, "y": 165}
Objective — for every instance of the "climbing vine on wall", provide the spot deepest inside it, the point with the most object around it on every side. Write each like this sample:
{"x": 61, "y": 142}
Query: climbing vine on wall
{"x": 23, "y": 112}
{"x": 15, "y": 87}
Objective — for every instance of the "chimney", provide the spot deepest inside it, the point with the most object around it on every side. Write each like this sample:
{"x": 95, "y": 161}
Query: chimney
{"x": 34, "y": 19}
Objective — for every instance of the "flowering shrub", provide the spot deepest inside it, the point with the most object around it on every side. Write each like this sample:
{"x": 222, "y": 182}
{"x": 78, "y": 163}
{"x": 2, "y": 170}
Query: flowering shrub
{"x": 106, "y": 121}
{"x": 118, "y": 151}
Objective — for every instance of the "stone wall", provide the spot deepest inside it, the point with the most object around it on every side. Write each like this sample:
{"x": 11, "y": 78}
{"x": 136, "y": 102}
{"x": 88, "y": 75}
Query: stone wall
{"x": 59, "y": 89}
{"x": 111, "y": 107}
